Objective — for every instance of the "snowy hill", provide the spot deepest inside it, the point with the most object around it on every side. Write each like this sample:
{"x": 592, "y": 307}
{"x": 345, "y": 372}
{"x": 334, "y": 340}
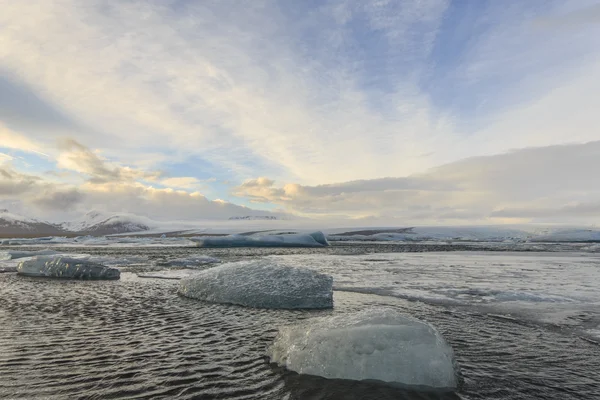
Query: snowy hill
{"x": 14, "y": 224}
{"x": 99, "y": 223}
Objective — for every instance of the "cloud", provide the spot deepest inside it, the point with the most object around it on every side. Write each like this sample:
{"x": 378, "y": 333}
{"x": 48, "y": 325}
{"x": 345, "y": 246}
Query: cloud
{"x": 185, "y": 182}
{"x": 386, "y": 97}
{"x": 53, "y": 200}
{"x": 13, "y": 140}
{"x": 5, "y": 158}
{"x": 13, "y": 183}
{"x": 343, "y": 91}
{"x": 76, "y": 157}
{"x": 573, "y": 19}
{"x": 168, "y": 204}
{"x": 107, "y": 186}
{"x": 545, "y": 182}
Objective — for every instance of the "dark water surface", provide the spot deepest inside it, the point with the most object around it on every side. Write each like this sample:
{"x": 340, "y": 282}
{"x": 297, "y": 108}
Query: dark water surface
{"x": 135, "y": 338}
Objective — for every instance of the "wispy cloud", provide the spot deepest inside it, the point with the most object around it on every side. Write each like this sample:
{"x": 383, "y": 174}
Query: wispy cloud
{"x": 531, "y": 185}
{"x": 339, "y": 91}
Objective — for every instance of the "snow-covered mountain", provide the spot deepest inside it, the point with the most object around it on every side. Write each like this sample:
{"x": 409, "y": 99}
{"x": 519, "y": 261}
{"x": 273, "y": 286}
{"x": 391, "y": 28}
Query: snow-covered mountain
{"x": 15, "y": 224}
{"x": 99, "y": 223}
{"x": 93, "y": 223}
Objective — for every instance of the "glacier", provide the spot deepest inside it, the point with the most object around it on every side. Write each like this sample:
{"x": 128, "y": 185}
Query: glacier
{"x": 315, "y": 239}
{"x": 372, "y": 344}
{"x": 66, "y": 268}
{"x": 261, "y": 284}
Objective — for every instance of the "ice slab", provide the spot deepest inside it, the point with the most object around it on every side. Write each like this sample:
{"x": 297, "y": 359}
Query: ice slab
{"x": 373, "y": 344}
{"x": 66, "y": 268}
{"x": 315, "y": 239}
{"x": 261, "y": 284}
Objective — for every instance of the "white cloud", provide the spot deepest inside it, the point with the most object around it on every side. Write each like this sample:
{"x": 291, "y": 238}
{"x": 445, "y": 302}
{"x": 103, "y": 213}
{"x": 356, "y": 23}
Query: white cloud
{"x": 5, "y": 158}
{"x": 234, "y": 89}
{"x": 340, "y": 92}
{"x": 106, "y": 187}
{"x": 531, "y": 184}
{"x": 13, "y": 140}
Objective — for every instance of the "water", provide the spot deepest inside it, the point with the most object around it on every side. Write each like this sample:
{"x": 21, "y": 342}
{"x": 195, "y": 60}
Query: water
{"x": 523, "y": 326}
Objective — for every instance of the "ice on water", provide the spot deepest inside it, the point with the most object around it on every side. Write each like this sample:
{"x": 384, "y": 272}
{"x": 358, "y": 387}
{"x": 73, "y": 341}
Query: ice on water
{"x": 261, "y": 284}
{"x": 373, "y": 344}
{"x": 14, "y": 254}
{"x": 190, "y": 262}
{"x": 315, "y": 239}
{"x": 66, "y": 268}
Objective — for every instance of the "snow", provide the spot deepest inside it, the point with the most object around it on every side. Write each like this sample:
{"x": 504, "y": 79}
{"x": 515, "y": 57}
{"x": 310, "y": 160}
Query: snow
{"x": 66, "y": 268}
{"x": 93, "y": 219}
{"x": 16, "y": 218}
{"x": 261, "y": 284}
{"x": 373, "y": 344}
{"x": 315, "y": 239}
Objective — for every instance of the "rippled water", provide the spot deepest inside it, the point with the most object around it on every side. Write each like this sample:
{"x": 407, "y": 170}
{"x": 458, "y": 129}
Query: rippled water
{"x": 135, "y": 338}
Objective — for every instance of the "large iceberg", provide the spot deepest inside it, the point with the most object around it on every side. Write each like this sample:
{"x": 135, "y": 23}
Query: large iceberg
{"x": 373, "y": 344}
{"x": 66, "y": 268}
{"x": 261, "y": 284}
{"x": 315, "y": 239}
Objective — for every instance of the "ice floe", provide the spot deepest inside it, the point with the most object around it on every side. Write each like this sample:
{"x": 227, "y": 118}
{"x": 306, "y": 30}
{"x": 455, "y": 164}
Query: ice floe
{"x": 373, "y": 344}
{"x": 261, "y": 284}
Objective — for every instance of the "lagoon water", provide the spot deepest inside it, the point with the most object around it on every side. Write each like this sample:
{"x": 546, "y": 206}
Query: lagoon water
{"x": 523, "y": 324}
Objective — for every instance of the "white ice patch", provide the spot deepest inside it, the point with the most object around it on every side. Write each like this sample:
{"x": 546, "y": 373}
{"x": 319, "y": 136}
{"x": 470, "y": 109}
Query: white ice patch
{"x": 66, "y": 268}
{"x": 373, "y": 344}
{"x": 315, "y": 239}
{"x": 261, "y": 284}
{"x": 104, "y": 241}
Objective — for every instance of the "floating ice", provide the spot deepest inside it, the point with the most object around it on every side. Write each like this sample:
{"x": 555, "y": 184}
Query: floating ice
{"x": 261, "y": 284}
{"x": 66, "y": 268}
{"x": 193, "y": 261}
{"x": 315, "y": 239}
{"x": 14, "y": 254}
{"x": 374, "y": 344}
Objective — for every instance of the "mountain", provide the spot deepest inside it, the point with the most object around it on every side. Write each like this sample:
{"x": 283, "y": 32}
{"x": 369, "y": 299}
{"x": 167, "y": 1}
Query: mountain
{"x": 14, "y": 224}
{"x": 98, "y": 223}
{"x": 255, "y": 218}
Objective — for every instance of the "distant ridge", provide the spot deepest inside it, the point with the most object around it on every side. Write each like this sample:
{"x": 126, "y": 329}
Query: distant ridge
{"x": 94, "y": 223}
{"x": 15, "y": 224}
{"x": 255, "y": 218}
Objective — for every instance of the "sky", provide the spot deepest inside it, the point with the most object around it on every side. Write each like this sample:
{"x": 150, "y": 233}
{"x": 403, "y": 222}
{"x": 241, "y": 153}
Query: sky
{"x": 404, "y": 112}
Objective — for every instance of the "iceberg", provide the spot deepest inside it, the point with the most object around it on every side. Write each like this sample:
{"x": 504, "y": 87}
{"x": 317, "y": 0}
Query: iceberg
{"x": 315, "y": 239}
{"x": 66, "y": 268}
{"x": 373, "y": 344}
{"x": 261, "y": 284}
